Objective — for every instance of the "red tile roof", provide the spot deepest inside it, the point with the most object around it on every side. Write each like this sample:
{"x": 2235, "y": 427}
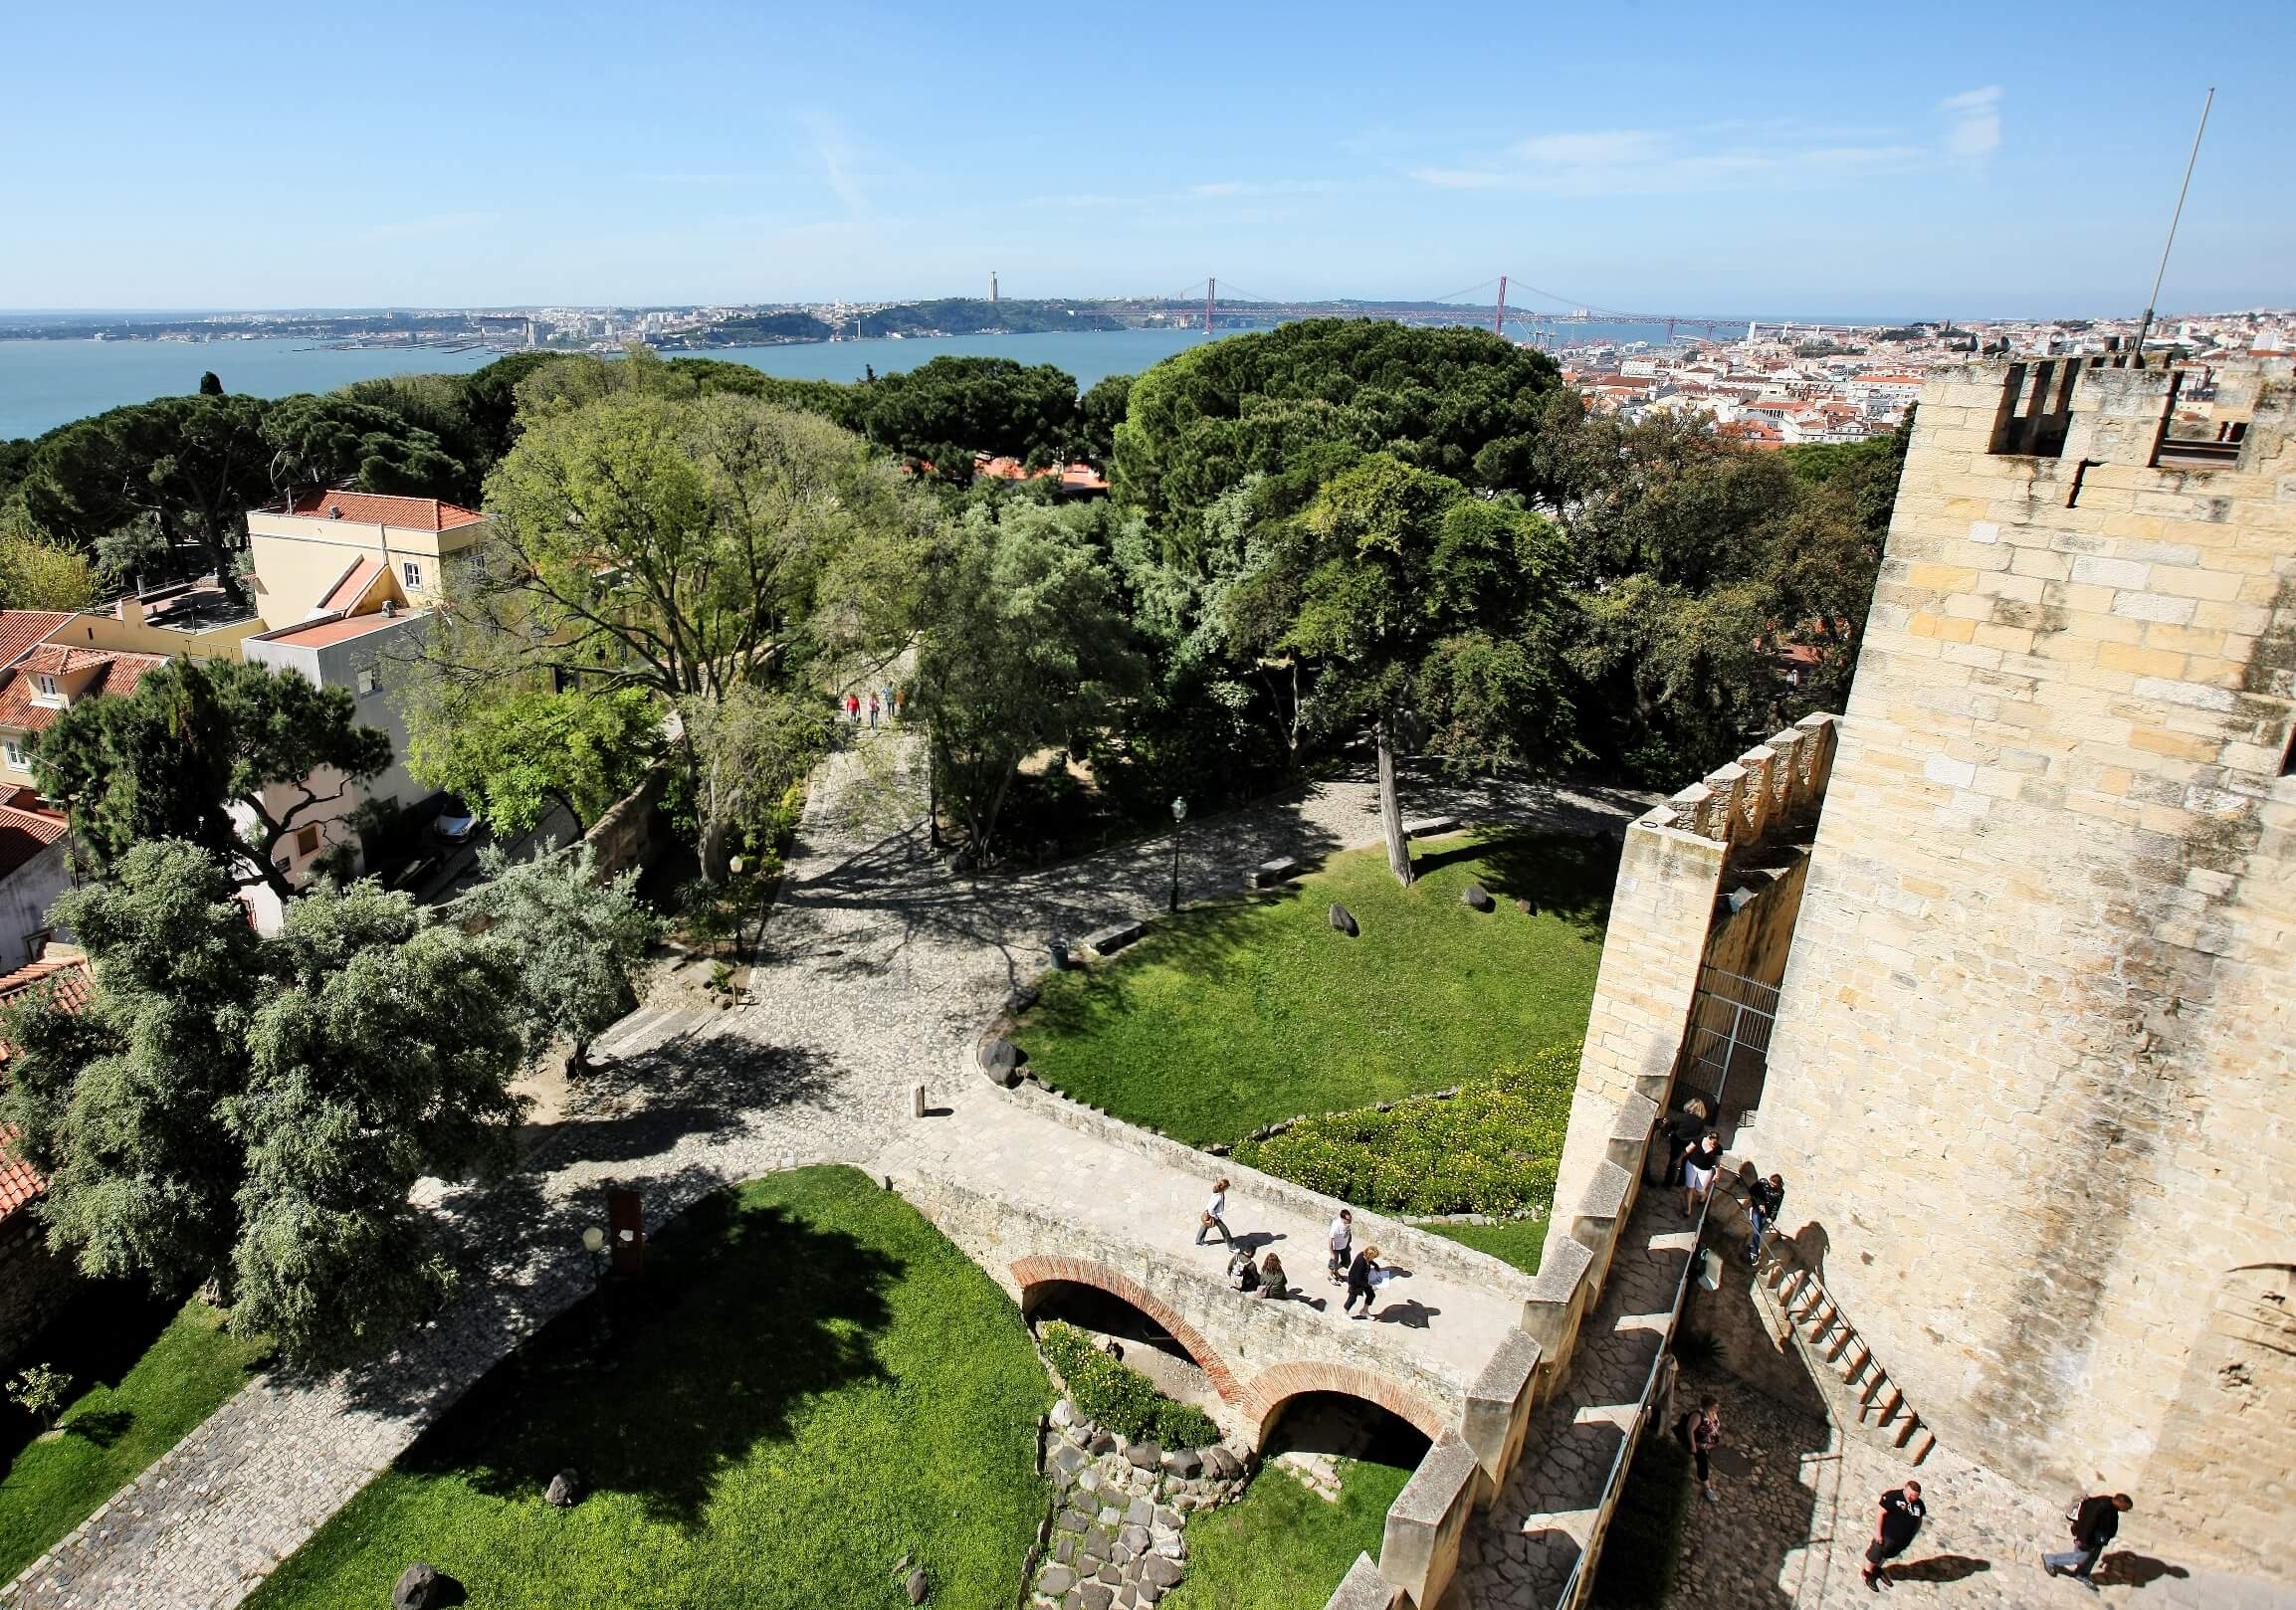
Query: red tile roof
{"x": 20, "y": 629}
{"x": 116, "y": 674}
{"x": 24, "y": 834}
{"x": 75, "y": 986}
{"x": 352, "y": 583}
{"x": 407, "y": 513}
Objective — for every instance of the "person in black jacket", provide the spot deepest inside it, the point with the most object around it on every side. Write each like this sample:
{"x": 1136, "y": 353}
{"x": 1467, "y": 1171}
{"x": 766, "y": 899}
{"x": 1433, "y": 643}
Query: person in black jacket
{"x": 2096, "y": 1522}
{"x": 1901, "y": 1515}
{"x": 1762, "y": 1201}
{"x": 1679, "y": 1133}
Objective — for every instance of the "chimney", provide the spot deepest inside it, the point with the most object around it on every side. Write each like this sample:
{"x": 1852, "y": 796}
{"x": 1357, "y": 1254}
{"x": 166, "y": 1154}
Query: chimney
{"x": 129, "y": 610}
{"x": 390, "y": 608}
{"x": 335, "y": 511}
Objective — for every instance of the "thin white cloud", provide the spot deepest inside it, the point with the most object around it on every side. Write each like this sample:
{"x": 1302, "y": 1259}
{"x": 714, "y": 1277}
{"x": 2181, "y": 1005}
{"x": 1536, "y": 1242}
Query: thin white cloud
{"x": 837, "y": 163}
{"x": 1972, "y": 123}
{"x": 1609, "y": 148}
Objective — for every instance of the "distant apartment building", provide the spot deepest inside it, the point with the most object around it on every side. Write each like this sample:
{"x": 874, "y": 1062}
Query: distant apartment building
{"x": 347, "y": 552}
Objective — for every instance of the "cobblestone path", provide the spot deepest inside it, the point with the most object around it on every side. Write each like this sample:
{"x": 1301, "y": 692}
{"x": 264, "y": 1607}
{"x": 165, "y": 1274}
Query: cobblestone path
{"x": 876, "y": 968}
{"x": 1522, "y": 1550}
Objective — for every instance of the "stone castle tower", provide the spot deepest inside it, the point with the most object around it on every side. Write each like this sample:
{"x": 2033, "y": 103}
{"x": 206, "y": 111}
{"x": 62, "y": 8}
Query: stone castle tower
{"x": 2033, "y": 1076}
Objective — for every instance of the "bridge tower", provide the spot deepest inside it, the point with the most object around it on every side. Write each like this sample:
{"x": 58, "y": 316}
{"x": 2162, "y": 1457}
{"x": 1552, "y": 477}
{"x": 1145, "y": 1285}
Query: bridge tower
{"x": 1499, "y": 313}
{"x": 1211, "y": 294}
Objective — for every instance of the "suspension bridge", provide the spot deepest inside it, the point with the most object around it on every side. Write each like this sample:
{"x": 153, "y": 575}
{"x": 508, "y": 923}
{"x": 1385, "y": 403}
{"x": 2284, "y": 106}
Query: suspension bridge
{"x": 1202, "y": 305}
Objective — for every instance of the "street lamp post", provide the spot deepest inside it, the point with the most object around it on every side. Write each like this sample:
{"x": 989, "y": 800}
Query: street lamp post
{"x": 1180, "y": 815}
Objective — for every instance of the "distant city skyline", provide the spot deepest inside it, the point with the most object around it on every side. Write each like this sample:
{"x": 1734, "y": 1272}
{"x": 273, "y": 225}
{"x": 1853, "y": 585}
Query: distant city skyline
{"x": 1974, "y": 161}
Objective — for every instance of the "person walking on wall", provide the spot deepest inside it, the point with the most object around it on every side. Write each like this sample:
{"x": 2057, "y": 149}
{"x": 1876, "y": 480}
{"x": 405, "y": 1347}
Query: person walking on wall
{"x": 1359, "y": 1283}
{"x": 2096, "y": 1522}
{"x": 873, "y": 711}
{"x": 1762, "y": 1202}
{"x": 1699, "y": 1165}
{"x": 1215, "y": 1214}
{"x": 1901, "y": 1515}
{"x": 1681, "y": 1130}
{"x": 852, "y": 708}
{"x": 1343, "y": 1242}
{"x": 889, "y": 704}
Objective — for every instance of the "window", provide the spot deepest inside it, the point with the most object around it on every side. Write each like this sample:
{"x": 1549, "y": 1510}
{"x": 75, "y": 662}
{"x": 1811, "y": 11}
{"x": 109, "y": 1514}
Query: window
{"x": 13, "y": 752}
{"x": 369, "y": 679}
{"x": 412, "y": 572}
{"x": 306, "y": 841}
{"x": 47, "y": 688}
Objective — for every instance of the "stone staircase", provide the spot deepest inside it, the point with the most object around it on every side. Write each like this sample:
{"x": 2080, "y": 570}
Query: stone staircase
{"x": 1800, "y": 1310}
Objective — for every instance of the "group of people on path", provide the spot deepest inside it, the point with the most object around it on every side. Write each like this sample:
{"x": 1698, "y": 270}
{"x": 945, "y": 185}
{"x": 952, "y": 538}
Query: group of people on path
{"x": 888, "y": 701}
{"x": 1693, "y": 1153}
{"x": 1360, "y": 1272}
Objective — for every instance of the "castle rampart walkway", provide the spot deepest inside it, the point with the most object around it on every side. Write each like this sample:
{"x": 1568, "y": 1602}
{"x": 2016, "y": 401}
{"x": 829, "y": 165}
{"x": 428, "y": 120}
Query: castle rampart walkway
{"x": 877, "y": 970}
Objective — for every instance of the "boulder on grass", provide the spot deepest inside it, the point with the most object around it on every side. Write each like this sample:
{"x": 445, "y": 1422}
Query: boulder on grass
{"x": 1477, "y": 895}
{"x": 564, "y": 1491}
{"x": 1000, "y": 1062}
{"x": 1143, "y": 1456}
{"x": 1344, "y": 920}
{"x": 424, "y": 1587}
{"x": 917, "y": 1587}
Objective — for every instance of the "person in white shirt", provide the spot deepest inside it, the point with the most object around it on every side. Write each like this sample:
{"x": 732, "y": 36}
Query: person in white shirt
{"x": 1215, "y": 1214}
{"x": 1343, "y": 1242}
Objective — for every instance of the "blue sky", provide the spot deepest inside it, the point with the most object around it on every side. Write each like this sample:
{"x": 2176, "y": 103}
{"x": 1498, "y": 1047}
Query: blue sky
{"x": 1666, "y": 157}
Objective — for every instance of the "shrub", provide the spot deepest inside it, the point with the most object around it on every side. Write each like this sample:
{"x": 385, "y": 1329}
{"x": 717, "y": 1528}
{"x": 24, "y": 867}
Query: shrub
{"x": 1121, "y": 1398}
{"x": 1644, "y": 1544}
{"x": 1491, "y": 1149}
{"x": 42, "y": 1390}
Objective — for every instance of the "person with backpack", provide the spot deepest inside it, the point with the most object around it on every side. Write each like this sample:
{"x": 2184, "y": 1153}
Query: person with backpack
{"x": 2095, "y": 1522}
{"x": 1901, "y": 1515}
{"x": 1762, "y": 1201}
{"x": 1700, "y": 1433}
{"x": 1243, "y": 1274}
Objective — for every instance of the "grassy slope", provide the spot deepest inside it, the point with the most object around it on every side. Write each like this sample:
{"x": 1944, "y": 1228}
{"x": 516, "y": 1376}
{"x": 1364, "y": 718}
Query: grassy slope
{"x": 812, "y": 1383}
{"x": 1282, "y": 1547}
{"x": 152, "y": 1374}
{"x": 1246, "y": 1011}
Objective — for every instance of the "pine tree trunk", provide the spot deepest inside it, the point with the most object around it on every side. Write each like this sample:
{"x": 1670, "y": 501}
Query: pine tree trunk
{"x": 1391, "y": 812}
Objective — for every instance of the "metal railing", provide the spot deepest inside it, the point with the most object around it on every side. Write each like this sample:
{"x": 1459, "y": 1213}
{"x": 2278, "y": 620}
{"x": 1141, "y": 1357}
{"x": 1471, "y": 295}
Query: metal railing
{"x": 1575, "y": 1584}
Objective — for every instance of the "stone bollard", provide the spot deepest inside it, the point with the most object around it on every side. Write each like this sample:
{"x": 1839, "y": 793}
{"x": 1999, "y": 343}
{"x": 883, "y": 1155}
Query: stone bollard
{"x": 917, "y": 1104}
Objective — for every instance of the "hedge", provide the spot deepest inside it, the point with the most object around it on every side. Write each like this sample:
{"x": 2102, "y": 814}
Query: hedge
{"x": 1491, "y": 1148}
{"x": 1121, "y": 1398}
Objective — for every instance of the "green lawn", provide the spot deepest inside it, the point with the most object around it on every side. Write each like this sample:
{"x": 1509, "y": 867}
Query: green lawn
{"x": 148, "y": 1374}
{"x": 1251, "y": 1009}
{"x": 811, "y": 1383}
{"x": 1282, "y": 1547}
{"x": 1518, "y": 1240}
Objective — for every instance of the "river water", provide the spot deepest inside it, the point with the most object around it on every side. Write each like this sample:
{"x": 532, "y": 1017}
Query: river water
{"x": 44, "y": 383}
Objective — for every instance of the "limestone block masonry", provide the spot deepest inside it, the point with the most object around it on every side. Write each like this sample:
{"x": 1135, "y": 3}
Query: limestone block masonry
{"x": 2030, "y": 1079}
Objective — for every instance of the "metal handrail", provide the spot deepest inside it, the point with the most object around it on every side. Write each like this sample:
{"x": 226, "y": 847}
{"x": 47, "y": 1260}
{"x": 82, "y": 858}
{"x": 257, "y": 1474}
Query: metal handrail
{"x": 1567, "y": 1599}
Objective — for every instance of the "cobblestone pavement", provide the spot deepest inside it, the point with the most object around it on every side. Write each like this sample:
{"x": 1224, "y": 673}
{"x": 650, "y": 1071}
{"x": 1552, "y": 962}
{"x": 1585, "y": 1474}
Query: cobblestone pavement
{"x": 1522, "y": 1550}
{"x": 876, "y": 969}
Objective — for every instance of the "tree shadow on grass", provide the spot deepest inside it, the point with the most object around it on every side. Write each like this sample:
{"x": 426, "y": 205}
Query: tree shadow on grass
{"x": 658, "y": 1386}
{"x": 1564, "y": 875}
{"x": 97, "y": 1336}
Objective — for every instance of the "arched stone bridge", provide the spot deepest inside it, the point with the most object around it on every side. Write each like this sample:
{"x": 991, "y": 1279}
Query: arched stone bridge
{"x": 1039, "y": 1190}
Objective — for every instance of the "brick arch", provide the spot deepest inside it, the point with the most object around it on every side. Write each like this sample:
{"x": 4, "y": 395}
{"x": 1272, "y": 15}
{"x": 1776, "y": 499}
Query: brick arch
{"x": 1278, "y": 1384}
{"x": 1032, "y": 1273}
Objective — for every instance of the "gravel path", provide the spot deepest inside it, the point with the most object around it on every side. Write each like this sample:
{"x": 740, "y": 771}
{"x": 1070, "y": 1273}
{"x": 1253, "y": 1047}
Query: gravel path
{"x": 876, "y": 971}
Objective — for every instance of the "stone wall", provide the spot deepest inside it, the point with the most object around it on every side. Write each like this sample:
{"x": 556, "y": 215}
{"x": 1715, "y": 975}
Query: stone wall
{"x": 1662, "y": 918}
{"x": 2029, "y": 1084}
{"x": 34, "y": 1283}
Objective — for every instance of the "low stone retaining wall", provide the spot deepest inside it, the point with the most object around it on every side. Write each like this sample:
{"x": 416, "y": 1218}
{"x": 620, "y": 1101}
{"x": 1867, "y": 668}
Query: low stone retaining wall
{"x": 1116, "y": 1540}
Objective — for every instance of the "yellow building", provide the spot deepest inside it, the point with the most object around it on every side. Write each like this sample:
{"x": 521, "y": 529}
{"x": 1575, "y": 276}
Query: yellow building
{"x": 347, "y": 552}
